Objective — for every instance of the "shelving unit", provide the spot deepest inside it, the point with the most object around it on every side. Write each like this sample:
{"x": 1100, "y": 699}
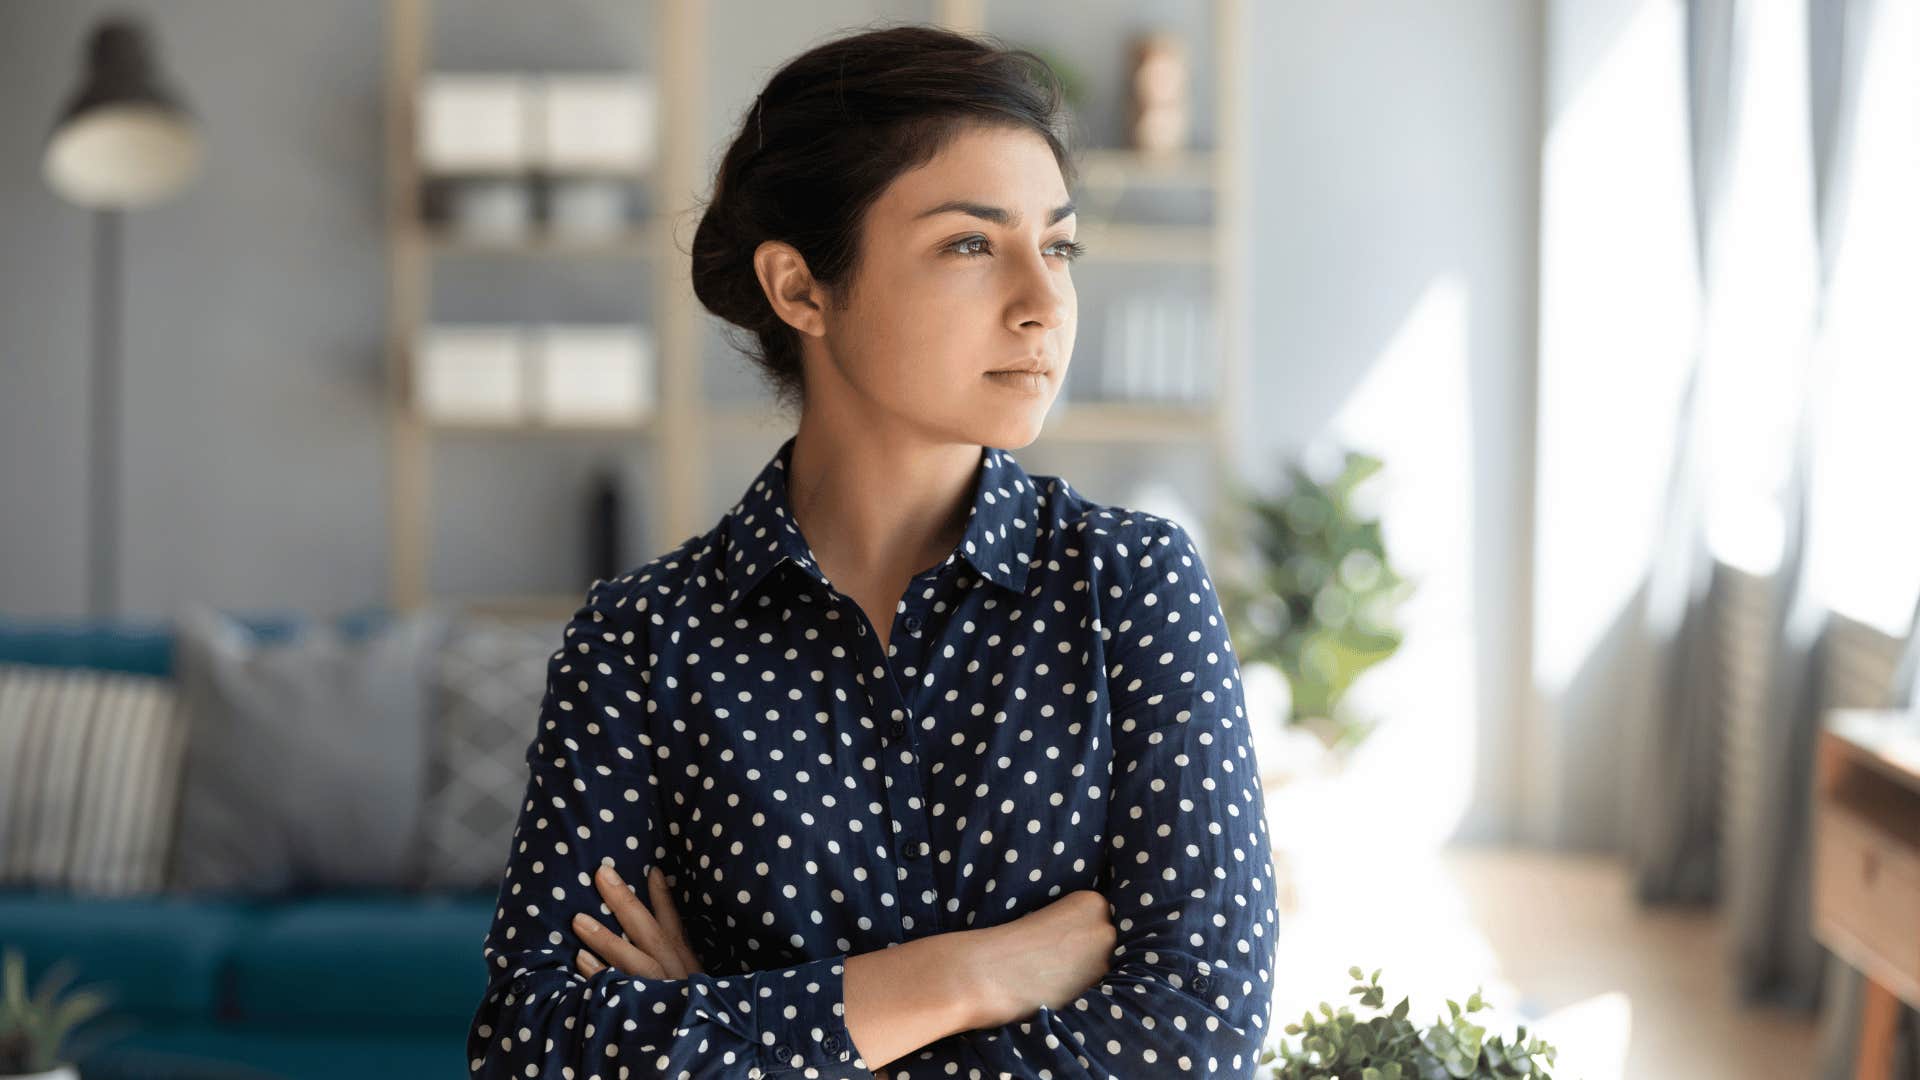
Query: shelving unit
{"x": 684, "y": 424}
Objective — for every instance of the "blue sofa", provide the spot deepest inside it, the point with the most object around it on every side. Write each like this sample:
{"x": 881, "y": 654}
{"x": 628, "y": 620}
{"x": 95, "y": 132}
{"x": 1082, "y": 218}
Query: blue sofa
{"x": 303, "y": 987}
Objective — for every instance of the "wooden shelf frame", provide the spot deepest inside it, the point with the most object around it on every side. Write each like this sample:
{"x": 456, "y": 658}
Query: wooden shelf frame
{"x": 682, "y": 429}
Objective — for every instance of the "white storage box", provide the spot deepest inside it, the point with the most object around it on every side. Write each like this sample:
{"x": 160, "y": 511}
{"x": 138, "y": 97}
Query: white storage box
{"x": 587, "y": 208}
{"x": 593, "y": 374}
{"x": 472, "y": 373}
{"x": 474, "y": 123}
{"x": 496, "y": 209}
{"x": 595, "y": 123}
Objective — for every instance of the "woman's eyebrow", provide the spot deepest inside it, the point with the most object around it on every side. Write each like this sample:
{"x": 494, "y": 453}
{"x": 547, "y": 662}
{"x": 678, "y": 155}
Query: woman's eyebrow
{"x": 994, "y": 214}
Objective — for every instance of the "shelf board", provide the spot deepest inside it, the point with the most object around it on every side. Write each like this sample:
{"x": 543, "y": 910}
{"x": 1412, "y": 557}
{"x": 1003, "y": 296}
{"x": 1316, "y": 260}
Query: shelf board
{"x": 1111, "y": 422}
{"x": 1123, "y": 422}
{"x": 431, "y": 173}
{"x": 741, "y": 418}
{"x": 1114, "y": 167}
{"x": 638, "y": 241}
{"x": 644, "y": 427}
{"x": 538, "y": 604}
{"x": 1142, "y": 243}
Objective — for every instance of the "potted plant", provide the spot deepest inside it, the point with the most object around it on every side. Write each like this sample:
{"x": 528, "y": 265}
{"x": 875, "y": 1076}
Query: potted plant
{"x": 1313, "y": 593}
{"x": 1338, "y": 1046}
{"x": 33, "y": 1030}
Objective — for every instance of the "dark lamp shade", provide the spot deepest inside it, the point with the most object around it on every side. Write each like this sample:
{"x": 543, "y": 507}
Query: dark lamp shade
{"x": 124, "y": 140}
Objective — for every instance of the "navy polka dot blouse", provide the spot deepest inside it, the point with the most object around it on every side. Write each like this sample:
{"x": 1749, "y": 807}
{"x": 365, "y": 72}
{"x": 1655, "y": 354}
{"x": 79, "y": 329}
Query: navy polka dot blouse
{"x": 1058, "y": 707}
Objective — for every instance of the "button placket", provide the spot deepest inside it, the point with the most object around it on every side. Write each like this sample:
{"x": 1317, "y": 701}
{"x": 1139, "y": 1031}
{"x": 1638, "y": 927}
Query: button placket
{"x": 904, "y": 794}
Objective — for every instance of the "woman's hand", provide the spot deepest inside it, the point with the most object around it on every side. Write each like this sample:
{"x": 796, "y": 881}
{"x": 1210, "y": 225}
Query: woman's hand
{"x": 654, "y": 946}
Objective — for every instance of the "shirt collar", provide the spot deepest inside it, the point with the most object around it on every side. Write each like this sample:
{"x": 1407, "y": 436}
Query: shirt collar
{"x": 1001, "y": 526}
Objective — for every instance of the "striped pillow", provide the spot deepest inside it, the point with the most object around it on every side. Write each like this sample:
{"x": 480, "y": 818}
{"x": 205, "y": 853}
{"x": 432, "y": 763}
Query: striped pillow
{"x": 90, "y": 766}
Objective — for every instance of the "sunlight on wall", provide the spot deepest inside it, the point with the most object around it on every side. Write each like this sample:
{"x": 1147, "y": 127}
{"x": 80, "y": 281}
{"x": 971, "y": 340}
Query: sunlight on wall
{"x": 1866, "y": 520}
{"x": 1617, "y": 317}
{"x": 1413, "y": 410}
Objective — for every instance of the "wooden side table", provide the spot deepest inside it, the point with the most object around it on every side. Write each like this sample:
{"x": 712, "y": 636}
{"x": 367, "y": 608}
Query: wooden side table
{"x": 1866, "y": 864}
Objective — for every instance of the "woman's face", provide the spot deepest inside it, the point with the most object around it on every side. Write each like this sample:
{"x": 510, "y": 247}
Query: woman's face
{"x": 965, "y": 270}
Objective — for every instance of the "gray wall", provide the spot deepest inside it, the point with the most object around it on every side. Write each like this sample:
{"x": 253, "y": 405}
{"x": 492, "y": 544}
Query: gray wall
{"x": 1389, "y": 144}
{"x": 253, "y": 438}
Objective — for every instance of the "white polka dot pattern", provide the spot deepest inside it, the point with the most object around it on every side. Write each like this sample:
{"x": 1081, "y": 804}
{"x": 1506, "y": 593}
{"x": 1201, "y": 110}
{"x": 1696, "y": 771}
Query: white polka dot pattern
{"x": 1058, "y": 707}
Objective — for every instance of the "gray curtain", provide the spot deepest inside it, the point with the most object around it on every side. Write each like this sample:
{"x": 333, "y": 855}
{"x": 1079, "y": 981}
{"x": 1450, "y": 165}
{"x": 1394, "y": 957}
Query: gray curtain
{"x": 1769, "y": 914}
{"x": 1674, "y": 839}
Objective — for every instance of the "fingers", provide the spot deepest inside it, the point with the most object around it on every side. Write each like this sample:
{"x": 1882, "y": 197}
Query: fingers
{"x": 618, "y": 951}
{"x": 641, "y": 927}
{"x": 669, "y": 919}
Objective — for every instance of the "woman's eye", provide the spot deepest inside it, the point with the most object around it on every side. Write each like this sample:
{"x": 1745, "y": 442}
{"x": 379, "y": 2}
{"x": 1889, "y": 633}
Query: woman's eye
{"x": 1066, "y": 249}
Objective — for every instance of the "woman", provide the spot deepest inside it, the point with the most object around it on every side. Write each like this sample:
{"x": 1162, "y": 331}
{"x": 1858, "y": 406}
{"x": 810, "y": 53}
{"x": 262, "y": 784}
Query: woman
{"x": 914, "y": 762}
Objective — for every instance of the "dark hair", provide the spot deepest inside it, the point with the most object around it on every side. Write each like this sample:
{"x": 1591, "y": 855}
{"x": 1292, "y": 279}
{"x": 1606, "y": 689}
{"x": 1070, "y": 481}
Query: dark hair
{"x": 829, "y": 132}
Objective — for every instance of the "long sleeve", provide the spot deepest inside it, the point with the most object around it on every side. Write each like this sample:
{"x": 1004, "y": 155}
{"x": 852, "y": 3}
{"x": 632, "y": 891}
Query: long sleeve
{"x": 1190, "y": 876}
{"x": 591, "y": 798}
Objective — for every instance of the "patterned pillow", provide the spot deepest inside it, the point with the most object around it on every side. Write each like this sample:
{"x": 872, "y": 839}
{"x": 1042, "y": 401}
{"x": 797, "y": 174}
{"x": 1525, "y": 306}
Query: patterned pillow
{"x": 90, "y": 772}
{"x": 484, "y": 702}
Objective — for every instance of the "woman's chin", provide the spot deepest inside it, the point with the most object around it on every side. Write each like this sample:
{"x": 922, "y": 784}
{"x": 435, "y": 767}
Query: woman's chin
{"x": 1010, "y": 429}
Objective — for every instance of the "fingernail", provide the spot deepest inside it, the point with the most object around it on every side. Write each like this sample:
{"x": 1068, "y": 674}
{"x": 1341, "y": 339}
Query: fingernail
{"x": 592, "y": 963}
{"x": 613, "y": 876}
{"x": 580, "y": 921}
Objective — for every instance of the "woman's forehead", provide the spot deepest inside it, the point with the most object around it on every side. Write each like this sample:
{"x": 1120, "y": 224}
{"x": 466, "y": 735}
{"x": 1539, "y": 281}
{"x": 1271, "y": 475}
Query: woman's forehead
{"x": 1010, "y": 171}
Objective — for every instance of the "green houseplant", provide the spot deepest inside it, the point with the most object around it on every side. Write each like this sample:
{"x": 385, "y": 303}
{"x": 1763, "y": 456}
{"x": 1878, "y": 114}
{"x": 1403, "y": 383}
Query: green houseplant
{"x": 34, "y": 1029}
{"x": 1314, "y": 592}
{"x": 1386, "y": 1046}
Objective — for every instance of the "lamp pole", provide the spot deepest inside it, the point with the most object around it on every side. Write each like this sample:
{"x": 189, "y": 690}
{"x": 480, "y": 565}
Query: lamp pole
{"x": 103, "y": 524}
{"x": 123, "y": 140}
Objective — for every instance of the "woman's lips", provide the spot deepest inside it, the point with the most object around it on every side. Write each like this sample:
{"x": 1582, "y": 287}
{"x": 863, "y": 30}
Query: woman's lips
{"x": 1028, "y": 382}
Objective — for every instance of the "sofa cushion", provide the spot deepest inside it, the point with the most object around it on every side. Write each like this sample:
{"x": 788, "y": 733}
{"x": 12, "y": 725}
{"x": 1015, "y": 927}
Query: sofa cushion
{"x": 160, "y": 957}
{"x": 306, "y": 759}
{"x": 375, "y": 962}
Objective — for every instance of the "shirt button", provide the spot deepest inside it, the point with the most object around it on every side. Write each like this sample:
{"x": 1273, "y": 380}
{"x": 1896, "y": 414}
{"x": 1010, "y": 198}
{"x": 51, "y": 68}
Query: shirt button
{"x": 1200, "y": 983}
{"x": 783, "y": 1054}
{"x": 897, "y": 729}
{"x": 913, "y": 623}
{"x": 832, "y": 1044}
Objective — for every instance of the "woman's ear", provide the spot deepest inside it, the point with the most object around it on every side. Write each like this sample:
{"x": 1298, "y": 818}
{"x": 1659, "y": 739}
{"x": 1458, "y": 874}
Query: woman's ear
{"x": 790, "y": 288}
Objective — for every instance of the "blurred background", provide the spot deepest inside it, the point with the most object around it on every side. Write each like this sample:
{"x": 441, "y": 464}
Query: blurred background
{"x": 1540, "y": 379}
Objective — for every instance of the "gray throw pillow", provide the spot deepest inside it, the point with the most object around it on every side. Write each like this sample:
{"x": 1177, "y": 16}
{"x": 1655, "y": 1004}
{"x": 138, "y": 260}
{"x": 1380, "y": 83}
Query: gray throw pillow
{"x": 488, "y": 682}
{"x": 306, "y": 758}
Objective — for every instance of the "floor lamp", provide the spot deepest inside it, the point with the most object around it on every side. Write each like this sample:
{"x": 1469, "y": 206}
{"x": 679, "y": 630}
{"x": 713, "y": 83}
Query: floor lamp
{"x": 124, "y": 140}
